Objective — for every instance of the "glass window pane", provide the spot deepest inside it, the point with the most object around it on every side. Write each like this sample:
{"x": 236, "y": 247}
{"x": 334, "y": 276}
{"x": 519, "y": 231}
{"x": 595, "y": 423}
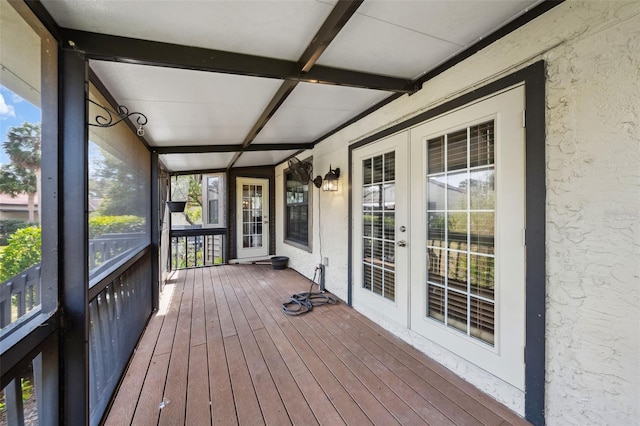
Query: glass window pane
{"x": 297, "y": 205}
{"x": 482, "y": 275}
{"x": 435, "y": 155}
{"x": 481, "y": 144}
{"x": 483, "y": 320}
{"x": 435, "y": 192}
{"x": 436, "y": 261}
{"x": 457, "y": 310}
{"x": 366, "y": 171}
{"x": 482, "y": 232}
{"x": 435, "y": 229}
{"x": 457, "y": 191}
{"x": 390, "y": 166}
{"x": 457, "y": 150}
{"x": 435, "y": 302}
{"x": 377, "y": 169}
{"x": 482, "y": 189}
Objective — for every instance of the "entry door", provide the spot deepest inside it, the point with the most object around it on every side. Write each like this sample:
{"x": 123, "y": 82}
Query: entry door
{"x": 381, "y": 229}
{"x": 438, "y": 232}
{"x": 468, "y": 193}
{"x": 252, "y": 218}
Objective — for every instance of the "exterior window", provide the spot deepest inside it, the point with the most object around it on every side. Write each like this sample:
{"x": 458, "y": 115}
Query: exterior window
{"x": 297, "y": 208}
{"x": 119, "y": 188}
{"x": 460, "y": 230}
{"x": 213, "y": 197}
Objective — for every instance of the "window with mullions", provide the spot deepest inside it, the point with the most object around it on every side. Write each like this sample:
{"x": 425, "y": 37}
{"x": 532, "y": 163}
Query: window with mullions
{"x": 297, "y": 208}
{"x": 461, "y": 228}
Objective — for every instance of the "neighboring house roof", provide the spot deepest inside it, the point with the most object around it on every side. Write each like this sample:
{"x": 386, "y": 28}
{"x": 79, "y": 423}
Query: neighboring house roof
{"x": 7, "y": 202}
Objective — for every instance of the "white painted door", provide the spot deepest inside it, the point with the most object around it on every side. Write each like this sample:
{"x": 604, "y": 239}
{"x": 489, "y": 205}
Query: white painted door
{"x": 380, "y": 229}
{"x": 468, "y": 192}
{"x": 458, "y": 191}
{"x": 252, "y": 218}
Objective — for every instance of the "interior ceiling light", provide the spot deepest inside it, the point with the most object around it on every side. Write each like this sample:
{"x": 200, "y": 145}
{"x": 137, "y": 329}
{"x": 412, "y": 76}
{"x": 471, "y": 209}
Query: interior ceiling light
{"x": 114, "y": 117}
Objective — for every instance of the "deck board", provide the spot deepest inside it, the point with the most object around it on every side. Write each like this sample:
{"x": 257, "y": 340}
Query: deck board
{"x": 224, "y": 353}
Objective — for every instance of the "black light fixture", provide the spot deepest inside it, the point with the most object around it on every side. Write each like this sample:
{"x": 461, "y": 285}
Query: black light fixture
{"x": 330, "y": 181}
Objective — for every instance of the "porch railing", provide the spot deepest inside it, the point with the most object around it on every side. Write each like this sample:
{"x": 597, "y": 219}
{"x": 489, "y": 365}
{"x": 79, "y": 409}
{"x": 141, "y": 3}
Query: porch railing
{"x": 127, "y": 298}
{"x": 197, "y": 247}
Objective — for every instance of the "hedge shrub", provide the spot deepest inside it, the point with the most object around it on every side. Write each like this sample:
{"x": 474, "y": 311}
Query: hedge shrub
{"x": 101, "y": 225}
{"x": 22, "y": 252}
{"x": 9, "y": 226}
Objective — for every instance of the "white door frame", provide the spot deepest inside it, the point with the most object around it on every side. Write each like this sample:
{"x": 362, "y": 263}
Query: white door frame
{"x": 262, "y": 251}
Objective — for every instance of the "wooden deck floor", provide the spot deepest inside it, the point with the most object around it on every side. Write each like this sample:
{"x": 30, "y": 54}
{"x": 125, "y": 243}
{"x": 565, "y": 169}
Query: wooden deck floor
{"x": 223, "y": 353}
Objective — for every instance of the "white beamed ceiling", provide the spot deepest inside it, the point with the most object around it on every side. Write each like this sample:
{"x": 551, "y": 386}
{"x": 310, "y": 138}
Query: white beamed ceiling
{"x": 402, "y": 39}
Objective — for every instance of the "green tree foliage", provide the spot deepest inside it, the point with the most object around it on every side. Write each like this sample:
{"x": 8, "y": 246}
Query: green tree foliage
{"x": 120, "y": 186}
{"x": 9, "y": 226}
{"x": 23, "y": 173}
{"x": 22, "y": 252}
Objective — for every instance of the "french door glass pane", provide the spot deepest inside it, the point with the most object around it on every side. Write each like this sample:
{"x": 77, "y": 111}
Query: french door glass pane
{"x": 378, "y": 218}
{"x": 460, "y": 230}
{"x": 252, "y": 216}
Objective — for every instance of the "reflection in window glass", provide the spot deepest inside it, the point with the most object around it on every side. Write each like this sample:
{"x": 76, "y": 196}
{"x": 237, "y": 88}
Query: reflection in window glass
{"x": 378, "y": 218}
{"x": 213, "y": 192}
{"x": 25, "y": 57}
{"x": 296, "y": 210}
{"x": 460, "y": 230}
{"x": 119, "y": 194}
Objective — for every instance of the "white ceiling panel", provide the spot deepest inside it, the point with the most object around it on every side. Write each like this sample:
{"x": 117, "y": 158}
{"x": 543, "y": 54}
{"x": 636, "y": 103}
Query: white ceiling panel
{"x": 200, "y": 161}
{"x": 459, "y": 22}
{"x": 375, "y": 46}
{"x": 396, "y": 38}
{"x": 261, "y": 158}
{"x": 278, "y": 29}
{"x": 313, "y": 110}
{"x": 188, "y": 107}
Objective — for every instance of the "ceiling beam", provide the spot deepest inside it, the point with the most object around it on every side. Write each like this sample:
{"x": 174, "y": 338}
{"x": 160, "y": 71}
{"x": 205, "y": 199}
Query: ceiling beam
{"x": 201, "y": 149}
{"x": 337, "y": 19}
{"x": 144, "y": 52}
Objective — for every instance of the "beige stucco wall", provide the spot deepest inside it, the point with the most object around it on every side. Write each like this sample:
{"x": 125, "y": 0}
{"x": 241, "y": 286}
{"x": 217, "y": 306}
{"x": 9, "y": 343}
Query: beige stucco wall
{"x": 593, "y": 204}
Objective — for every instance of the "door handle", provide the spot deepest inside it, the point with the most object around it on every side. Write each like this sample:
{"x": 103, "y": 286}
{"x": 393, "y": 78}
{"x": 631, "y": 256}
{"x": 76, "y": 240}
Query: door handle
{"x": 402, "y": 243}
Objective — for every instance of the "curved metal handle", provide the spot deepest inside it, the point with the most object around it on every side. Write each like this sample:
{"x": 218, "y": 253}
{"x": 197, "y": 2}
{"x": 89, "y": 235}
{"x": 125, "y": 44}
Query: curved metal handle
{"x": 402, "y": 243}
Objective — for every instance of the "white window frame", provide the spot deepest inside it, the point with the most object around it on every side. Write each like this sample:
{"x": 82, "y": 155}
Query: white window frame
{"x": 222, "y": 201}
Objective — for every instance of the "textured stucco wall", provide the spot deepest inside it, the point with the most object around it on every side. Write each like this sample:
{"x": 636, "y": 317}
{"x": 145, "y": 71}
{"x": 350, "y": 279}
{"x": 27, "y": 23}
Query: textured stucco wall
{"x": 593, "y": 204}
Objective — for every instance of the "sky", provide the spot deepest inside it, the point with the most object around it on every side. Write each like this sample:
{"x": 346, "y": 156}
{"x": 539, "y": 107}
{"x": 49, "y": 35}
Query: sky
{"x": 14, "y": 111}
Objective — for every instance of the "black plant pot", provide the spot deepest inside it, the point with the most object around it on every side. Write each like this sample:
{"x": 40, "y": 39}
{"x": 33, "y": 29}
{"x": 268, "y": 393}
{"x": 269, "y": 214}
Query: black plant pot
{"x": 176, "y": 206}
{"x": 279, "y": 262}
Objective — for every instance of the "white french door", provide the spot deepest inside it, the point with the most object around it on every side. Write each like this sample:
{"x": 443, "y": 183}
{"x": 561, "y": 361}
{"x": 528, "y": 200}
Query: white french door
{"x": 460, "y": 196}
{"x": 252, "y": 218}
{"x": 380, "y": 234}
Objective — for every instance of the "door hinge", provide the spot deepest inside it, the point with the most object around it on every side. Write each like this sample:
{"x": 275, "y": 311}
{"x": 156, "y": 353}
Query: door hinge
{"x": 524, "y": 118}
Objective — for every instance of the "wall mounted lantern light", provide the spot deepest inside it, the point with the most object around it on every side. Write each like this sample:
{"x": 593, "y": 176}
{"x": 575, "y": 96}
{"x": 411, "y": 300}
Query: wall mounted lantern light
{"x": 331, "y": 179}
